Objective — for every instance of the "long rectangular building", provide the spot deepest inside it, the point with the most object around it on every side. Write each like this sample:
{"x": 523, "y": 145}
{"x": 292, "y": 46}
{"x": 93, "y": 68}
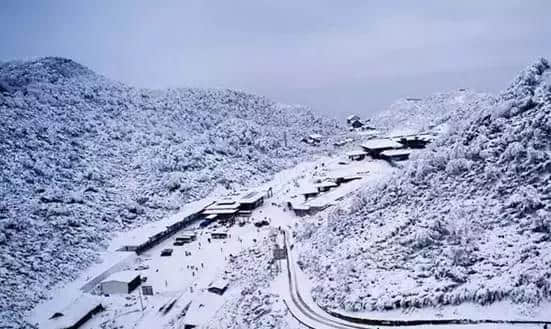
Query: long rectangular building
{"x": 374, "y": 147}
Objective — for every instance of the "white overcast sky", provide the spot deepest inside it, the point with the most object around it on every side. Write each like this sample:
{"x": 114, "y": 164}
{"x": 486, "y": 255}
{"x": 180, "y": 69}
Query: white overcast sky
{"x": 335, "y": 56}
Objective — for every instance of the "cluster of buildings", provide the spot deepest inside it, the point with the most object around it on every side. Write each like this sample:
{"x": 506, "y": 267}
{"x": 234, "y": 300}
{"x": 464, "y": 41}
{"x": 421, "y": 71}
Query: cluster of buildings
{"x": 355, "y": 122}
{"x": 226, "y": 210}
{"x": 312, "y": 139}
{"x": 305, "y": 202}
{"x": 391, "y": 149}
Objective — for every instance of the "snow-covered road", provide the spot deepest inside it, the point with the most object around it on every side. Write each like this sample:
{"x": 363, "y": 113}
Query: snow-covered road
{"x": 295, "y": 291}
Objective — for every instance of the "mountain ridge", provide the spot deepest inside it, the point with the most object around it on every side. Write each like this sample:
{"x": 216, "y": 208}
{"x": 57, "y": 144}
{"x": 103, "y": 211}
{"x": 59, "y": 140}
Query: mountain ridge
{"x": 85, "y": 156}
{"x": 465, "y": 221}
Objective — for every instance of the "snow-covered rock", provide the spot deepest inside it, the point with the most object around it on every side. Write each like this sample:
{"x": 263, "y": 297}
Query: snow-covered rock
{"x": 468, "y": 220}
{"x": 83, "y": 156}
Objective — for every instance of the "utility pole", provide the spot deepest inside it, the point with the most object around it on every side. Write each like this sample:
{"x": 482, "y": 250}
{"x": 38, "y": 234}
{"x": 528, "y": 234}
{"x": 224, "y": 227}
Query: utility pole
{"x": 285, "y": 138}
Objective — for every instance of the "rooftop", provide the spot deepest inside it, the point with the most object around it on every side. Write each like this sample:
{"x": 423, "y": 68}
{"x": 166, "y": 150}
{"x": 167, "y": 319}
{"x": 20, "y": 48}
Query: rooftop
{"x": 308, "y": 190}
{"x": 123, "y": 276}
{"x": 356, "y": 152}
{"x": 251, "y": 197}
{"x": 326, "y": 184}
{"x": 381, "y": 144}
{"x": 396, "y": 152}
{"x": 73, "y": 312}
{"x": 220, "y": 211}
{"x": 218, "y": 206}
{"x": 219, "y": 284}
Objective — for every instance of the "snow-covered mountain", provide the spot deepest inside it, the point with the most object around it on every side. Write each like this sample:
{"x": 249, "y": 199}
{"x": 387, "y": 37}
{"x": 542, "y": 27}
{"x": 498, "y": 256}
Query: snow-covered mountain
{"x": 467, "y": 220}
{"x": 409, "y": 115}
{"x": 83, "y": 156}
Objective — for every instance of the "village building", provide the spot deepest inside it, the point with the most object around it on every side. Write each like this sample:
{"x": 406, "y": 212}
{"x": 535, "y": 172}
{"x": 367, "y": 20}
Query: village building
{"x": 120, "y": 283}
{"x": 325, "y": 186}
{"x": 415, "y": 141}
{"x": 222, "y": 210}
{"x": 251, "y": 201}
{"x": 167, "y": 252}
{"x": 313, "y": 139}
{"x": 75, "y": 314}
{"x": 154, "y": 233}
{"x": 300, "y": 209}
{"x": 219, "y": 235}
{"x": 396, "y": 155}
{"x": 344, "y": 179}
{"x": 356, "y": 155}
{"x": 356, "y": 124}
{"x": 374, "y": 147}
{"x": 185, "y": 238}
{"x": 351, "y": 118}
{"x": 310, "y": 192}
{"x": 219, "y": 286}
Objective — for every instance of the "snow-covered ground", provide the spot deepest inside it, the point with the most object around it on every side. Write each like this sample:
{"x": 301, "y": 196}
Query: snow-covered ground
{"x": 174, "y": 280}
{"x": 84, "y": 156}
{"x": 466, "y": 221}
{"x": 461, "y": 230}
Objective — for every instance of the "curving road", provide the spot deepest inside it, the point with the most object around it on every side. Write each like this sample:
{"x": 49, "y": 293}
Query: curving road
{"x": 313, "y": 316}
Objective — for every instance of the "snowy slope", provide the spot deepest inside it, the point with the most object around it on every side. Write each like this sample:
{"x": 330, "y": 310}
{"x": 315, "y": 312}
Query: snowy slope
{"x": 83, "y": 156}
{"x": 468, "y": 220}
{"x": 407, "y": 116}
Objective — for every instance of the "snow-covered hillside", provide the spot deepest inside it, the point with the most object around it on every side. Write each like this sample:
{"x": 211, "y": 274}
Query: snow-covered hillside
{"x": 411, "y": 115}
{"x": 469, "y": 219}
{"x": 83, "y": 156}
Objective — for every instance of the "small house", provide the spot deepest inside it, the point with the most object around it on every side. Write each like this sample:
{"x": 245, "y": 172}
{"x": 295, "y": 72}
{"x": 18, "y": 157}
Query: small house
{"x": 325, "y": 186}
{"x": 316, "y": 137}
{"x": 219, "y": 286}
{"x": 416, "y": 141}
{"x": 312, "y": 139}
{"x": 219, "y": 235}
{"x": 351, "y": 118}
{"x": 167, "y": 252}
{"x": 357, "y": 155}
{"x": 222, "y": 210}
{"x": 120, "y": 283}
{"x": 251, "y": 201}
{"x": 396, "y": 155}
{"x": 310, "y": 192}
{"x": 185, "y": 238}
{"x": 374, "y": 147}
{"x": 301, "y": 210}
{"x": 356, "y": 124}
{"x": 345, "y": 179}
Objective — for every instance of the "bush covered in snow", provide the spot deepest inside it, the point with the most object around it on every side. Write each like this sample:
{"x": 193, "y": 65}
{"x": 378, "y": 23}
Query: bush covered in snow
{"x": 466, "y": 220}
{"x": 83, "y": 156}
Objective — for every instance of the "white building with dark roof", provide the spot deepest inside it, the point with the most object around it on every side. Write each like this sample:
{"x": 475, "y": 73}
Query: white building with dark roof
{"x": 351, "y": 118}
{"x": 374, "y": 147}
{"x": 122, "y": 282}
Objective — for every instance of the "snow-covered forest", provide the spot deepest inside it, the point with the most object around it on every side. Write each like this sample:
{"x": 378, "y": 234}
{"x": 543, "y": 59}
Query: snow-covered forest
{"x": 467, "y": 220}
{"x": 408, "y": 115}
{"x": 84, "y": 156}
